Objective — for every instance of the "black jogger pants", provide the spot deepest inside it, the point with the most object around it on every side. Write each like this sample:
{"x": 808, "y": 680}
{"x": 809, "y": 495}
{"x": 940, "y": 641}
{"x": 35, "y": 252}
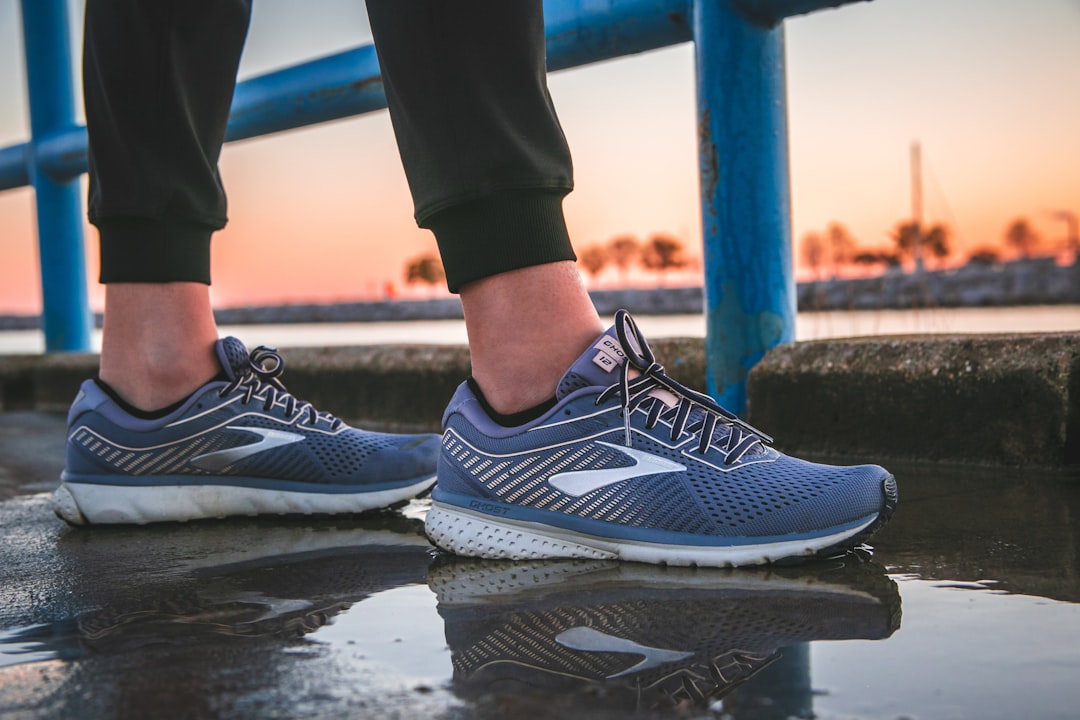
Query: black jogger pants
{"x": 465, "y": 81}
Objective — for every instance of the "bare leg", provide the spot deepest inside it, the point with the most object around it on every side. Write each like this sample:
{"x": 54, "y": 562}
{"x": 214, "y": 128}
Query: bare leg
{"x": 158, "y": 342}
{"x": 513, "y": 318}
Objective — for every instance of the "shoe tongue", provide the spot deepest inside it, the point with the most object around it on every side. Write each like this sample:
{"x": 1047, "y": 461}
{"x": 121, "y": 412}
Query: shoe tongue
{"x": 233, "y": 357}
{"x": 598, "y": 366}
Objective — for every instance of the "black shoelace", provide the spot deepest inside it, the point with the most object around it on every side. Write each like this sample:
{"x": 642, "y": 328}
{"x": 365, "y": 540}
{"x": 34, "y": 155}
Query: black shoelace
{"x": 260, "y": 380}
{"x": 741, "y": 438}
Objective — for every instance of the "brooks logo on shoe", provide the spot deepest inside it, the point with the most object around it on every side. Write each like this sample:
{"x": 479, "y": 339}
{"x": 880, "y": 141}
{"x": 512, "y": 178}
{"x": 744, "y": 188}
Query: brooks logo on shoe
{"x": 216, "y": 461}
{"x": 581, "y": 482}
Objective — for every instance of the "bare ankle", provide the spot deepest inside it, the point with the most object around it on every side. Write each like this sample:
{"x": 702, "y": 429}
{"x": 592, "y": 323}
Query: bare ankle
{"x": 158, "y": 342}
{"x": 528, "y": 375}
{"x": 150, "y": 383}
{"x": 526, "y": 327}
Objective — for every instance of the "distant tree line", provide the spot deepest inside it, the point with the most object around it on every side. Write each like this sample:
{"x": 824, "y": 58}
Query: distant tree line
{"x": 822, "y": 252}
{"x": 825, "y": 252}
{"x": 659, "y": 254}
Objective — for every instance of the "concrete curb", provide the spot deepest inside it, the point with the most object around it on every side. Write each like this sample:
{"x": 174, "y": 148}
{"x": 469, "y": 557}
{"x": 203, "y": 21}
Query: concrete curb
{"x": 1001, "y": 400}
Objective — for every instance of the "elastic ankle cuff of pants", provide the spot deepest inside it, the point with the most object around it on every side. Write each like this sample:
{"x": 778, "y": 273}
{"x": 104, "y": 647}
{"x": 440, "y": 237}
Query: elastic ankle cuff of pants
{"x": 499, "y": 233}
{"x": 149, "y": 250}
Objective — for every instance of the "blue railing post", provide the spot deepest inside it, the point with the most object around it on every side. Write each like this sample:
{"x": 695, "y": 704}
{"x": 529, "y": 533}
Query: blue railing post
{"x": 66, "y": 316}
{"x": 745, "y": 194}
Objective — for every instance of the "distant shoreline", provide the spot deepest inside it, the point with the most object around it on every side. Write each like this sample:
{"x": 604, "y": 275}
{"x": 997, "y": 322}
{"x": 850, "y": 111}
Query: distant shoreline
{"x": 1024, "y": 282}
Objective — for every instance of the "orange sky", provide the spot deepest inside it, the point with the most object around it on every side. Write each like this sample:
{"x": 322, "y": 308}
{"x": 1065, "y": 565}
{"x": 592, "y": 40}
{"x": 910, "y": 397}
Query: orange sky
{"x": 990, "y": 90}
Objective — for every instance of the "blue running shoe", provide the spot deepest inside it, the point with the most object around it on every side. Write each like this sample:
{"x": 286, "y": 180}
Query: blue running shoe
{"x": 240, "y": 445}
{"x": 630, "y": 464}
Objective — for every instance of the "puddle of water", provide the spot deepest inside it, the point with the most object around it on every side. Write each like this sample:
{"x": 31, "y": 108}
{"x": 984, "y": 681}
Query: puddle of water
{"x": 301, "y": 618}
{"x": 962, "y": 652}
{"x": 397, "y": 634}
{"x": 594, "y": 639}
{"x": 21, "y": 646}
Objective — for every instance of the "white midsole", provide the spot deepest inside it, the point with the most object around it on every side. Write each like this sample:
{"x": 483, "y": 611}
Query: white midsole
{"x": 466, "y": 532}
{"x": 83, "y": 503}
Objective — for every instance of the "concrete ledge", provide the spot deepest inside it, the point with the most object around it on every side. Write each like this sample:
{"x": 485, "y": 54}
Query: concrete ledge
{"x": 401, "y": 388}
{"x": 43, "y": 382}
{"x": 1002, "y": 400}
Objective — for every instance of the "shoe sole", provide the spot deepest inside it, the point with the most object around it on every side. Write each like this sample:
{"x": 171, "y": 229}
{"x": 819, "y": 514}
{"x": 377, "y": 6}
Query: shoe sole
{"x": 475, "y": 534}
{"x": 100, "y": 504}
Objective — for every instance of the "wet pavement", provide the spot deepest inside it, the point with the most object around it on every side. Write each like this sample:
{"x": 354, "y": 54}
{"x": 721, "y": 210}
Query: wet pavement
{"x": 968, "y": 607}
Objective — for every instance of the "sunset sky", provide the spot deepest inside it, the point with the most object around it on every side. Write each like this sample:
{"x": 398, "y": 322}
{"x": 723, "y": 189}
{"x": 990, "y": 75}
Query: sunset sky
{"x": 991, "y": 89}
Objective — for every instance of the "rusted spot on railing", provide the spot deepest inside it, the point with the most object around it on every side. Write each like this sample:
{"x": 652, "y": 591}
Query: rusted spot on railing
{"x": 709, "y": 161}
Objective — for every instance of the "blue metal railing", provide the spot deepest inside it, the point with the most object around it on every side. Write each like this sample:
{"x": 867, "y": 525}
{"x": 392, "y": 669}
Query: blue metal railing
{"x": 742, "y": 127}
{"x": 46, "y": 38}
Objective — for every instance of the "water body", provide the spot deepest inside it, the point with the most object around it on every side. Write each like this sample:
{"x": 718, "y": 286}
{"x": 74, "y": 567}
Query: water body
{"x": 969, "y": 607}
{"x": 809, "y": 326}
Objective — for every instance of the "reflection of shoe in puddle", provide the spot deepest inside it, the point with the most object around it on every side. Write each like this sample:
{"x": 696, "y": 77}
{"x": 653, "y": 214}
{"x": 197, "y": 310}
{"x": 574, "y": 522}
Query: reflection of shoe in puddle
{"x": 269, "y": 581}
{"x": 643, "y": 635}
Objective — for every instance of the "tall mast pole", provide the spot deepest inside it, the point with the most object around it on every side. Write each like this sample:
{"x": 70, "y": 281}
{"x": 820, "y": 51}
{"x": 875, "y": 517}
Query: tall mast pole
{"x": 917, "y": 204}
{"x": 1072, "y": 239}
